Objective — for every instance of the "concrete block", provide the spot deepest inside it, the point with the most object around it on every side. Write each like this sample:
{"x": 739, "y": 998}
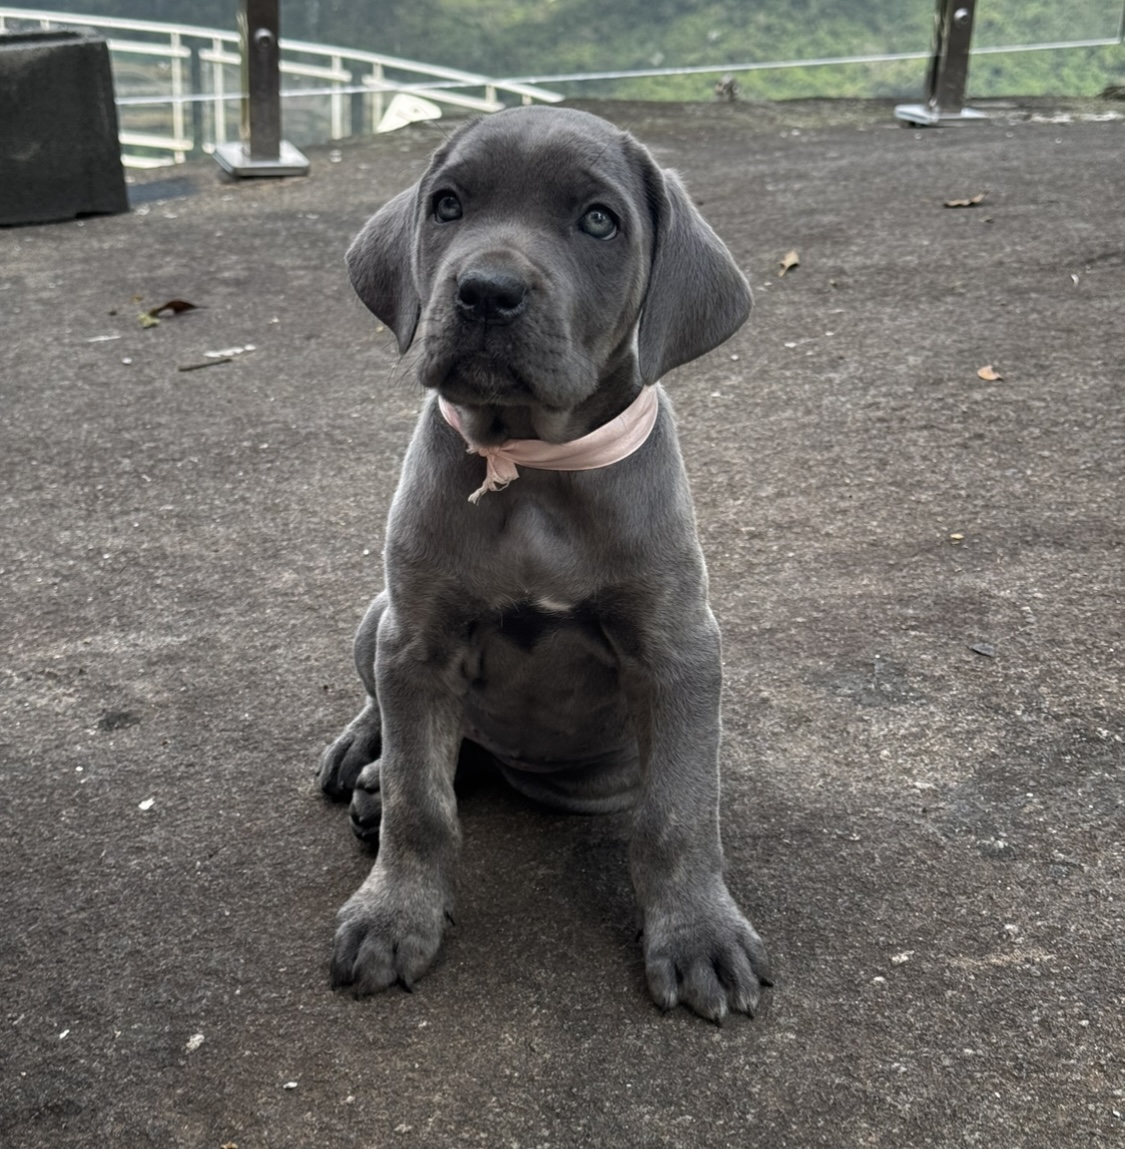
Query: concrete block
{"x": 59, "y": 152}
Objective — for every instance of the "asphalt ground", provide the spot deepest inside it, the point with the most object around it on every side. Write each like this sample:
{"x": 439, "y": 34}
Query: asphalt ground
{"x": 919, "y": 576}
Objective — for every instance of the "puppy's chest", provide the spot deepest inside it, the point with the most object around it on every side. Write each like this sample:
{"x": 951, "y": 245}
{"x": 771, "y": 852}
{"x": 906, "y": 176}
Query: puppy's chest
{"x": 536, "y": 554}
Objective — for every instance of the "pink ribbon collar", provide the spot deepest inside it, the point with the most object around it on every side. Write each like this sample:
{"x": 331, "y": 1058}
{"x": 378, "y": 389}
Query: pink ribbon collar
{"x": 610, "y": 443}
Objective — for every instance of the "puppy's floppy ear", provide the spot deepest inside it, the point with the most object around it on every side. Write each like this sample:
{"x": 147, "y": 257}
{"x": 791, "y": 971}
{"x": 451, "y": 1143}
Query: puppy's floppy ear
{"x": 381, "y": 265}
{"x": 696, "y": 297}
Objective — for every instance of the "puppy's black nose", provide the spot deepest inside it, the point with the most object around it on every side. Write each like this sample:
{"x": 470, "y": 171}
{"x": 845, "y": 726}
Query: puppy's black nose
{"x": 491, "y": 296}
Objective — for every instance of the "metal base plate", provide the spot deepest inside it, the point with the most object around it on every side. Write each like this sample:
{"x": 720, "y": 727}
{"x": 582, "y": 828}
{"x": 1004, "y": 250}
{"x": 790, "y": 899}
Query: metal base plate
{"x": 235, "y": 159}
{"x": 926, "y": 116}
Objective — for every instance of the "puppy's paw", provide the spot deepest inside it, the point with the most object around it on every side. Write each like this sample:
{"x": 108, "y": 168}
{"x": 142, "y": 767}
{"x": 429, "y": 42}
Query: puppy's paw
{"x": 366, "y": 810}
{"x": 386, "y": 932}
{"x": 706, "y": 956}
{"x": 358, "y": 746}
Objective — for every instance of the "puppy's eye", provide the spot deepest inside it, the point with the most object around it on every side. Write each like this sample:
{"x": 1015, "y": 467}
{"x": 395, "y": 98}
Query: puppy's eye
{"x": 599, "y": 222}
{"x": 447, "y": 207}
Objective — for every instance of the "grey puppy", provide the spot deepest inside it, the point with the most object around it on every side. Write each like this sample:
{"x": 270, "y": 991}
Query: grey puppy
{"x": 546, "y": 273}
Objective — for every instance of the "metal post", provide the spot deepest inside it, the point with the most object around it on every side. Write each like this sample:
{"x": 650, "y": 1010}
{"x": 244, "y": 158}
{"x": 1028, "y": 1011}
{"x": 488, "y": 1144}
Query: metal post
{"x": 178, "y": 121}
{"x": 949, "y": 69}
{"x": 336, "y": 103}
{"x": 261, "y": 151}
{"x": 357, "y": 113}
{"x": 261, "y": 79}
{"x": 218, "y": 92}
{"x": 197, "y": 106}
{"x": 376, "y": 79}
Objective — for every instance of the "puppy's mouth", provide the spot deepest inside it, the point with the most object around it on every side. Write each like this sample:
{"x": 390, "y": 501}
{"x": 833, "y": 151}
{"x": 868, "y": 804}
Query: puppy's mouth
{"x": 479, "y": 378}
{"x": 521, "y": 379}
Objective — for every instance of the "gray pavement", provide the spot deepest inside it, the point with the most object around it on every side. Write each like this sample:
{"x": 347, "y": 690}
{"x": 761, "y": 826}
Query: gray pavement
{"x": 919, "y": 577}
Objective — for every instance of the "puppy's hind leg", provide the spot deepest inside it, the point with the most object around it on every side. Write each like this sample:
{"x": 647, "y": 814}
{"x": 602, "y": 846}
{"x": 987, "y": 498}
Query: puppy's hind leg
{"x": 349, "y": 767}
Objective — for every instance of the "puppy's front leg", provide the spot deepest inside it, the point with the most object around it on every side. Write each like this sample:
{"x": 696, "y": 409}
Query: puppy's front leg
{"x": 391, "y": 927}
{"x": 699, "y": 948}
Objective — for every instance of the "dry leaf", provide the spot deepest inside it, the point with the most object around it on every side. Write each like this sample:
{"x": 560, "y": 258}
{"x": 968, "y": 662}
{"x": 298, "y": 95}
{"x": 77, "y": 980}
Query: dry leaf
{"x": 151, "y": 318}
{"x": 989, "y": 374}
{"x": 176, "y": 305}
{"x": 972, "y": 201}
{"x": 790, "y": 259}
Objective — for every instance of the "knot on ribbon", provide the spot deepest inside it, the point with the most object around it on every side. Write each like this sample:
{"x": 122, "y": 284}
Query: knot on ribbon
{"x": 607, "y": 444}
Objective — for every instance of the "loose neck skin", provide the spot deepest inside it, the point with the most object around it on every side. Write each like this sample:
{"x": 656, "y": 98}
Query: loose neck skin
{"x": 490, "y": 424}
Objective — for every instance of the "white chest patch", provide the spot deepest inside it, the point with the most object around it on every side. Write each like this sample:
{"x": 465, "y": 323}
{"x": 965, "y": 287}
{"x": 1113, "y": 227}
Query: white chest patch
{"x": 553, "y": 605}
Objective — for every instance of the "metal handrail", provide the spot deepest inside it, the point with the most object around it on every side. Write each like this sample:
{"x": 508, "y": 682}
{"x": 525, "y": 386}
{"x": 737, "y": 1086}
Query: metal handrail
{"x": 442, "y": 85}
{"x": 220, "y": 50}
{"x": 48, "y": 19}
{"x": 815, "y": 62}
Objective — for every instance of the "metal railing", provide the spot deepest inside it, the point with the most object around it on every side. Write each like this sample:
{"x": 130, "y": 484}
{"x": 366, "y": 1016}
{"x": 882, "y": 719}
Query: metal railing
{"x": 175, "y": 84}
{"x": 734, "y": 69}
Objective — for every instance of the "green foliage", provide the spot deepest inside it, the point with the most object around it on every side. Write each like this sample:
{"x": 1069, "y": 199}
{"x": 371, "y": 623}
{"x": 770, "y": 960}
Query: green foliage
{"x": 507, "y": 38}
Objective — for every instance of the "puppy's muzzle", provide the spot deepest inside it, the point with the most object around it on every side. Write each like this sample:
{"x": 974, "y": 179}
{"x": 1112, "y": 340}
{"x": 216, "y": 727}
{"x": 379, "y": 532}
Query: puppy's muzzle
{"x": 490, "y": 296}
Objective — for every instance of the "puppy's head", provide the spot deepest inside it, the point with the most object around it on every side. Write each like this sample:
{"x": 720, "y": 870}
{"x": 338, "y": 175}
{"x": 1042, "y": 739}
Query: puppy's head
{"x": 542, "y": 256}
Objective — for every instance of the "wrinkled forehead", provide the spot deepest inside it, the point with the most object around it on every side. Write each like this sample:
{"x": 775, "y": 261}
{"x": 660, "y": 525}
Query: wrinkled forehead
{"x": 564, "y": 155}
